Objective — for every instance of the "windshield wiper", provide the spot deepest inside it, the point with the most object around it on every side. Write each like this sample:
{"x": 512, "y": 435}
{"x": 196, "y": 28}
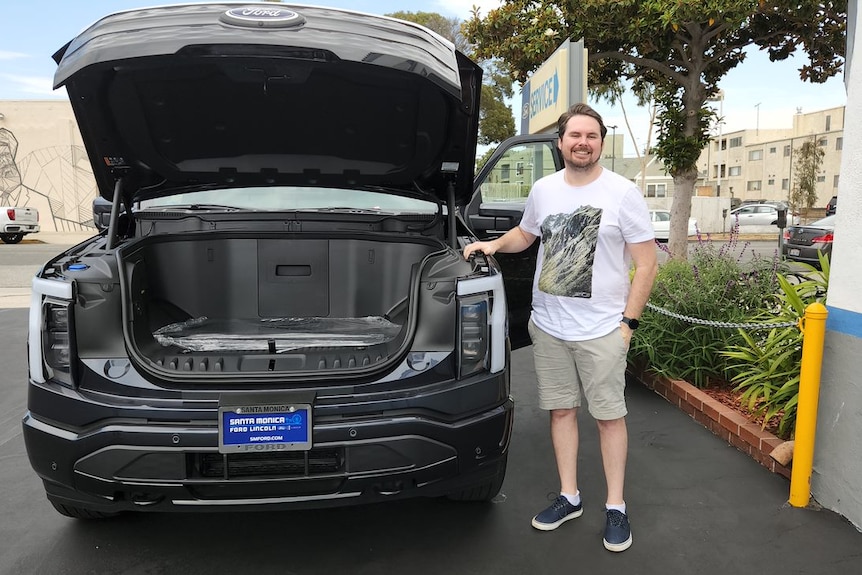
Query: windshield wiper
{"x": 195, "y": 207}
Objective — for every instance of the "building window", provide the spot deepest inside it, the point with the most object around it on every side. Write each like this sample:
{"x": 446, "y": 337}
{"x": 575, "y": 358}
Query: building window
{"x": 504, "y": 173}
{"x": 770, "y": 182}
{"x": 839, "y": 143}
{"x": 736, "y": 142}
{"x": 822, "y": 142}
{"x": 519, "y": 168}
{"x": 786, "y": 151}
{"x": 785, "y": 184}
{"x": 755, "y": 155}
{"x": 828, "y": 123}
{"x": 835, "y": 181}
{"x": 734, "y": 171}
{"x": 772, "y": 150}
{"x": 821, "y": 178}
{"x": 754, "y": 185}
{"x": 656, "y": 190}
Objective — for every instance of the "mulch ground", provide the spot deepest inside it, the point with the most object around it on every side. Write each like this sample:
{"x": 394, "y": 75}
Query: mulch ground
{"x": 724, "y": 393}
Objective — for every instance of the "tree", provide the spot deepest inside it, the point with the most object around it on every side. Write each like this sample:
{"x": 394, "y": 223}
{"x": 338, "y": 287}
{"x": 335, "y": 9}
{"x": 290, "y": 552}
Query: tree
{"x": 496, "y": 122}
{"x": 806, "y": 167}
{"x": 613, "y": 94}
{"x": 679, "y": 48}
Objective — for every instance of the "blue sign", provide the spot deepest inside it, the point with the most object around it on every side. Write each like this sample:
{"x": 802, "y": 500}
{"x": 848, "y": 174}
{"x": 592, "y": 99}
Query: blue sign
{"x": 264, "y": 428}
{"x": 545, "y": 95}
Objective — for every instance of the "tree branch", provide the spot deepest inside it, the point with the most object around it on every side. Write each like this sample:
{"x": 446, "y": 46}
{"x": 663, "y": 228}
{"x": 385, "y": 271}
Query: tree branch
{"x": 643, "y": 62}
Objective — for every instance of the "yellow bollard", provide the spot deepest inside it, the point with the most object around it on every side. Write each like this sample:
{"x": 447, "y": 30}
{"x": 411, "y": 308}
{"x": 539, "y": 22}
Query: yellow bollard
{"x": 813, "y": 326}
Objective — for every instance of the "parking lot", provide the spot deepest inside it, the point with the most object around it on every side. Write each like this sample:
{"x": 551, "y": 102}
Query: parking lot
{"x": 695, "y": 504}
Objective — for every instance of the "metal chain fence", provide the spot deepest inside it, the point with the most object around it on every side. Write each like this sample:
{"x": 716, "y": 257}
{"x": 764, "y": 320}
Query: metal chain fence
{"x": 722, "y": 324}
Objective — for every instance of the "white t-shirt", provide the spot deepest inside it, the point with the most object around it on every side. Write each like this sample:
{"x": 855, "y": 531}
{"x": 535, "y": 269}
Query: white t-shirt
{"x": 582, "y": 271}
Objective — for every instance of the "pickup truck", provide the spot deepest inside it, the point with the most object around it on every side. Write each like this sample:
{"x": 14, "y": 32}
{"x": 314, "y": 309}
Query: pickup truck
{"x": 15, "y": 222}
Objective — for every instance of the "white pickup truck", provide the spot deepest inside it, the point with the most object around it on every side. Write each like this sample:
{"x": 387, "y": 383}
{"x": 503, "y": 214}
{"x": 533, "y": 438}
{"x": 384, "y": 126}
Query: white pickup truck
{"x": 15, "y": 222}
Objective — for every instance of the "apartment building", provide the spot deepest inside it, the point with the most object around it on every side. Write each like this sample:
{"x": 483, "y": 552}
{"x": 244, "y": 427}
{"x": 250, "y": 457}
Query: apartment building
{"x": 760, "y": 164}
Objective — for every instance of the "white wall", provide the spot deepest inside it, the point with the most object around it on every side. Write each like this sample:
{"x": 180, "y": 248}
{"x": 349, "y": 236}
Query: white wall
{"x": 836, "y": 482}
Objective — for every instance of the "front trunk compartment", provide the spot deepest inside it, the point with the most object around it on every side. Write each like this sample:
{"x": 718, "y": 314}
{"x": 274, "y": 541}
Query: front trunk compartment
{"x": 232, "y": 303}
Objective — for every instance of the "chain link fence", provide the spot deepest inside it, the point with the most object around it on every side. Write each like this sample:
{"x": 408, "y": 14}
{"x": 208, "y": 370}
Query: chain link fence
{"x": 721, "y": 324}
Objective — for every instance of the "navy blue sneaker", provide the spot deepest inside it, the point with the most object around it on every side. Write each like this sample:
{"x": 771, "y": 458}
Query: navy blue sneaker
{"x": 558, "y": 513}
{"x": 618, "y": 532}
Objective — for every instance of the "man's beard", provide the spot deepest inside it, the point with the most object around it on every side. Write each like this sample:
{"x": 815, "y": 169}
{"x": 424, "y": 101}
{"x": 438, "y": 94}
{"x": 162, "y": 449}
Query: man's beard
{"x": 580, "y": 167}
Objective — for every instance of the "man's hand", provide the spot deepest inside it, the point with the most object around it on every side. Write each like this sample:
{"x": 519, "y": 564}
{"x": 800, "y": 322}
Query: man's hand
{"x": 514, "y": 241}
{"x": 487, "y": 248}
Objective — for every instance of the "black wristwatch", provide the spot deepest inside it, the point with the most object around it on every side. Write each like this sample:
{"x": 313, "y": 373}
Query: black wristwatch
{"x": 632, "y": 323}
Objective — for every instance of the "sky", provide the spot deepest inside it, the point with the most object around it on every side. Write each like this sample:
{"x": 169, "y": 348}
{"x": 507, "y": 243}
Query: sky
{"x": 757, "y": 94}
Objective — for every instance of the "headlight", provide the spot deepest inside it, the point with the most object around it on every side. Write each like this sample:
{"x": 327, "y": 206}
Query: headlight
{"x": 472, "y": 334}
{"x": 57, "y": 341}
{"x": 481, "y": 324}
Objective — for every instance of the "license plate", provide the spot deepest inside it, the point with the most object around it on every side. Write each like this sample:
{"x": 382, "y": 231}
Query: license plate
{"x": 794, "y": 252}
{"x": 264, "y": 427}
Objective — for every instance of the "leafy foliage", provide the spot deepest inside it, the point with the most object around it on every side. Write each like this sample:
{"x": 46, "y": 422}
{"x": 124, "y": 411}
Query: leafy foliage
{"x": 768, "y": 365}
{"x": 716, "y": 285}
{"x": 806, "y": 168}
{"x": 496, "y": 122}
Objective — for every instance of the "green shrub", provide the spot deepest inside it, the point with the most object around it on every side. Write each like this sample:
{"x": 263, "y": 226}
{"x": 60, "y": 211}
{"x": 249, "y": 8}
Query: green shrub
{"x": 768, "y": 364}
{"x": 715, "y": 285}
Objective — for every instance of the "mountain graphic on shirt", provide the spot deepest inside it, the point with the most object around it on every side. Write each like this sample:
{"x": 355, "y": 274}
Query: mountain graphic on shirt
{"x": 569, "y": 242}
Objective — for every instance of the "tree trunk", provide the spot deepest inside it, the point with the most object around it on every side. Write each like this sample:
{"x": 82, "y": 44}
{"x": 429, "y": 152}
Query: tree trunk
{"x": 680, "y": 211}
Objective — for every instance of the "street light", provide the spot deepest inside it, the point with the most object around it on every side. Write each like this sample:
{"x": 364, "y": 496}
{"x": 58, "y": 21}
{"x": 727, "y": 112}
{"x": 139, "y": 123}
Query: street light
{"x": 613, "y": 147}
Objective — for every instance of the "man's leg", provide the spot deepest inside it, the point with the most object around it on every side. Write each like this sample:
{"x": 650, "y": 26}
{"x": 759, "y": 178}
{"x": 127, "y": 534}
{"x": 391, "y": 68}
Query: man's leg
{"x": 601, "y": 365}
{"x": 559, "y": 393}
{"x": 613, "y": 437}
{"x": 564, "y": 436}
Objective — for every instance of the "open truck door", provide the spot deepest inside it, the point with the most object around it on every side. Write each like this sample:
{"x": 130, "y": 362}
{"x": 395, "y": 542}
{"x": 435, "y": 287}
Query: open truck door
{"x": 500, "y": 193}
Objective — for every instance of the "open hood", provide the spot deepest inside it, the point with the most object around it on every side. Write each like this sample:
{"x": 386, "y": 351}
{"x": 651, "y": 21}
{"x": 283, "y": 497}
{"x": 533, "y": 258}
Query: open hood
{"x": 211, "y": 95}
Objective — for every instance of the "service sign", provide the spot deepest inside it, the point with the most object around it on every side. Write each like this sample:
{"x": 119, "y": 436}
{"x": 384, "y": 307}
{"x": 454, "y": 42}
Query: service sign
{"x": 260, "y": 428}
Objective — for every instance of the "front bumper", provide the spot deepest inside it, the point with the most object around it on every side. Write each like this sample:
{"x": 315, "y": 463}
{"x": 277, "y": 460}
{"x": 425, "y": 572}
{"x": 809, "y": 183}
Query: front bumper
{"x": 125, "y": 464}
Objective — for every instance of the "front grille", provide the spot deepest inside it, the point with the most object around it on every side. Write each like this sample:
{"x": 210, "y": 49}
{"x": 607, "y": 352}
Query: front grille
{"x": 278, "y": 464}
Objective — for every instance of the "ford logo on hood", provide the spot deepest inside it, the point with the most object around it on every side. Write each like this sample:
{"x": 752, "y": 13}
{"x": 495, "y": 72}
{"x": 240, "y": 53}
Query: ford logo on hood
{"x": 262, "y": 17}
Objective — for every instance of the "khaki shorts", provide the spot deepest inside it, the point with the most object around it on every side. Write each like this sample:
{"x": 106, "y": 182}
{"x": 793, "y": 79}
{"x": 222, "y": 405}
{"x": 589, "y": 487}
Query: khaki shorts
{"x": 595, "y": 368}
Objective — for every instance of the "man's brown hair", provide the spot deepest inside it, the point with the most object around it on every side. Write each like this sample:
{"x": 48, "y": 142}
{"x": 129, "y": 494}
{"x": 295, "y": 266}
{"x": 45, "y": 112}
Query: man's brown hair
{"x": 580, "y": 110}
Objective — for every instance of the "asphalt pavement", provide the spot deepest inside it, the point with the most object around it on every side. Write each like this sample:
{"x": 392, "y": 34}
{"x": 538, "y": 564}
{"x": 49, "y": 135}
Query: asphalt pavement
{"x": 697, "y": 505}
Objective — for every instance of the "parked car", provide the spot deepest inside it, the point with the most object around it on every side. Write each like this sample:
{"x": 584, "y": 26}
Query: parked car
{"x": 802, "y": 243}
{"x": 16, "y": 222}
{"x": 279, "y": 314}
{"x": 755, "y": 215}
{"x": 661, "y": 225}
{"x": 831, "y": 205}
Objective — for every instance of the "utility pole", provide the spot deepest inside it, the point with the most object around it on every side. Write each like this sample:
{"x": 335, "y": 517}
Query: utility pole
{"x": 613, "y": 147}
{"x": 757, "y": 121}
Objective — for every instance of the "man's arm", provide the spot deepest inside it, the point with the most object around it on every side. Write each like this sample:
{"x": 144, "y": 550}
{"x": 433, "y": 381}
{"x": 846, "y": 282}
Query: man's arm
{"x": 646, "y": 268}
{"x": 515, "y": 240}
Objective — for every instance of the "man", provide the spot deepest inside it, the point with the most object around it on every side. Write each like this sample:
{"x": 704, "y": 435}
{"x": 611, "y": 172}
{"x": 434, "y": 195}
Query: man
{"x": 593, "y": 224}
